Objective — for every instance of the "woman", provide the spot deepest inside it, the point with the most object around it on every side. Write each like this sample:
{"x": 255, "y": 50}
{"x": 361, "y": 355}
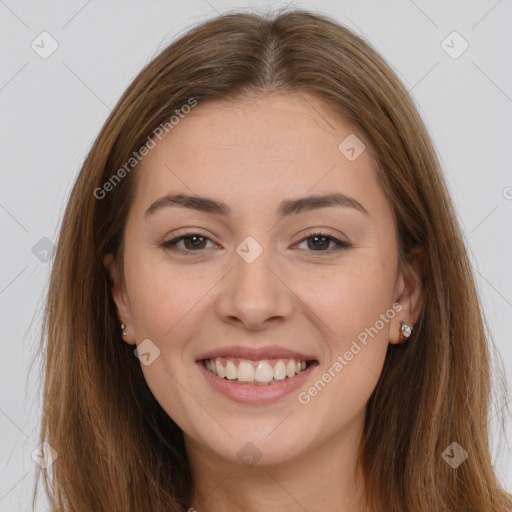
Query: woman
{"x": 261, "y": 298}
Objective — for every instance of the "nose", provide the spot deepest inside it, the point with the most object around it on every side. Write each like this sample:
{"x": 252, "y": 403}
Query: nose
{"x": 254, "y": 294}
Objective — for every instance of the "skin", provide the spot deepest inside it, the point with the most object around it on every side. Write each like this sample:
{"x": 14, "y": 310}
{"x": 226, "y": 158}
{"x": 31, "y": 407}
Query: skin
{"x": 252, "y": 154}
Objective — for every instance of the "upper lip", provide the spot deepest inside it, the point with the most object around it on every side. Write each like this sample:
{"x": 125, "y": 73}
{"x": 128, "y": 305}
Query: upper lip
{"x": 255, "y": 354}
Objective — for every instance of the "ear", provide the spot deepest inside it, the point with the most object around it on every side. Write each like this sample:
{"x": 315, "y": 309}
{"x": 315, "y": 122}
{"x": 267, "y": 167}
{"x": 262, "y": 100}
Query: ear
{"x": 409, "y": 292}
{"x": 121, "y": 299}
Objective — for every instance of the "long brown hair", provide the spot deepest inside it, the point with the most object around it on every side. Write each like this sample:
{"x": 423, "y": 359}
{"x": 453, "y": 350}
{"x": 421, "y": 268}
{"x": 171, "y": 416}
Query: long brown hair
{"x": 117, "y": 448}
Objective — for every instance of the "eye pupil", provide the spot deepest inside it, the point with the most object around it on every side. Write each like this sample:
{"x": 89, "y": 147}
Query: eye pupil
{"x": 196, "y": 238}
{"x": 321, "y": 244}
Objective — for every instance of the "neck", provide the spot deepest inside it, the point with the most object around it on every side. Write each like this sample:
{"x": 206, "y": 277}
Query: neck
{"x": 321, "y": 477}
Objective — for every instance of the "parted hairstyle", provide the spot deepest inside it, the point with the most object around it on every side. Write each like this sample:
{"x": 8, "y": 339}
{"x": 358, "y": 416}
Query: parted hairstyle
{"x": 118, "y": 450}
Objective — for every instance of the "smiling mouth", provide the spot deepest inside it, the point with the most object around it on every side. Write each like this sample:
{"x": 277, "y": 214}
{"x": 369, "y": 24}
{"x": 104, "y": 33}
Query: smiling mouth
{"x": 256, "y": 373}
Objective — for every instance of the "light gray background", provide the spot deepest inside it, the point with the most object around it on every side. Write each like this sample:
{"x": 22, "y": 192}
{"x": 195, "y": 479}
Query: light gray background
{"x": 53, "y": 108}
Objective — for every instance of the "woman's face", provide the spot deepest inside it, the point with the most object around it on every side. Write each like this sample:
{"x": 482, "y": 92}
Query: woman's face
{"x": 253, "y": 285}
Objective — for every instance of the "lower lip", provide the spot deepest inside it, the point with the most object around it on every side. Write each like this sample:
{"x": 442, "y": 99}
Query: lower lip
{"x": 255, "y": 394}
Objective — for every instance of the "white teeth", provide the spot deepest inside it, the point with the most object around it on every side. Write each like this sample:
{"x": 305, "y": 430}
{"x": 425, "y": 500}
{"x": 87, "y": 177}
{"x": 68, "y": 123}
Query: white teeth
{"x": 220, "y": 369}
{"x": 290, "y": 368}
{"x": 260, "y": 372}
{"x": 231, "y": 371}
{"x": 280, "y": 370}
{"x": 264, "y": 372}
{"x": 245, "y": 371}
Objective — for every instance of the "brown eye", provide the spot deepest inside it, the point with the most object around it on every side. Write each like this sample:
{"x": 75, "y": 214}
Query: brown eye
{"x": 192, "y": 243}
{"x": 195, "y": 242}
{"x": 319, "y": 242}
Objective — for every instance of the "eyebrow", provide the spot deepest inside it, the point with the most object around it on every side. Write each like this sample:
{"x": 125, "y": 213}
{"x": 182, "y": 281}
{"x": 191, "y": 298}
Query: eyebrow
{"x": 286, "y": 207}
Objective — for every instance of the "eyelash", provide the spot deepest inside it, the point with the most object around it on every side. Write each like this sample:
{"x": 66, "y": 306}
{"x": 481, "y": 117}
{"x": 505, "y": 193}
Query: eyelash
{"x": 340, "y": 244}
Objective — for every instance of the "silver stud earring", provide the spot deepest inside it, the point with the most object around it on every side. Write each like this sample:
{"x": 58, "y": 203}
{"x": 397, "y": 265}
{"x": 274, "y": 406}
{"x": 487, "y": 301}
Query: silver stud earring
{"x": 122, "y": 328}
{"x": 406, "y": 330}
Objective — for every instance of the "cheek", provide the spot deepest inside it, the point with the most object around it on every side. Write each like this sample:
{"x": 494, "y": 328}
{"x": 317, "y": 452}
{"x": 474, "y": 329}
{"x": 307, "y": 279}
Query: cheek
{"x": 355, "y": 307}
{"x": 349, "y": 299}
{"x": 160, "y": 297}
{"x": 164, "y": 308}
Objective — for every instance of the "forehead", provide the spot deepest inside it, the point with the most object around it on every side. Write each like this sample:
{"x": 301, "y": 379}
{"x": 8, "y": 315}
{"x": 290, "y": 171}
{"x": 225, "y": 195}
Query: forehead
{"x": 254, "y": 151}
